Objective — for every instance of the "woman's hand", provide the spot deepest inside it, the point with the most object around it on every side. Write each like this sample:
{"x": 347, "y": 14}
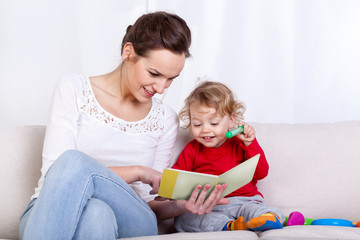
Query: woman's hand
{"x": 197, "y": 203}
{"x": 151, "y": 177}
{"x": 249, "y": 133}
{"x": 139, "y": 173}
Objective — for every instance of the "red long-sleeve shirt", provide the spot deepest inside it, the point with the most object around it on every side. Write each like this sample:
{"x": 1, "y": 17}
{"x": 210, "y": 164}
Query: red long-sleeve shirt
{"x": 198, "y": 158}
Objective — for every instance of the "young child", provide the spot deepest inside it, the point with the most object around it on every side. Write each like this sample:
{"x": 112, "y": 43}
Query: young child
{"x": 210, "y": 111}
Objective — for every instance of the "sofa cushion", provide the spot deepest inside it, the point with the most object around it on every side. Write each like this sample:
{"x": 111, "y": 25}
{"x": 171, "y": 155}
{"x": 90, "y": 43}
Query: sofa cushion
{"x": 222, "y": 235}
{"x": 20, "y": 161}
{"x": 311, "y": 232}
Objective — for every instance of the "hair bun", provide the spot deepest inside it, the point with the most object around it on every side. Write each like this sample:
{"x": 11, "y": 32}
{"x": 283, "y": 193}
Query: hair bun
{"x": 128, "y": 28}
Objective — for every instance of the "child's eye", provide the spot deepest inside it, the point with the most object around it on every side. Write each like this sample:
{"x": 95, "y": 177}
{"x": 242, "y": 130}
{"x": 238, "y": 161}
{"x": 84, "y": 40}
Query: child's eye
{"x": 214, "y": 124}
{"x": 197, "y": 125}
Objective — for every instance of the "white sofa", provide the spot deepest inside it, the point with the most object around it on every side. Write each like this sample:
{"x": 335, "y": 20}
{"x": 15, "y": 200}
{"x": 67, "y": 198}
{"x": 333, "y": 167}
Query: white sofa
{"x": 314, "y": 169}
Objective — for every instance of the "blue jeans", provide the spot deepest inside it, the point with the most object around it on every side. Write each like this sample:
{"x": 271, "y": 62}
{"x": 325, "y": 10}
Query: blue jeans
{"x": 82, "y": 199}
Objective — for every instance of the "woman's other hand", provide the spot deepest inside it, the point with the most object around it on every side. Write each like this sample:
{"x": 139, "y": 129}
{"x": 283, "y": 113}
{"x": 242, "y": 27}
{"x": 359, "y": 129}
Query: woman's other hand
{"x": 199, "y": 204}
{"x": 165, "y": 208}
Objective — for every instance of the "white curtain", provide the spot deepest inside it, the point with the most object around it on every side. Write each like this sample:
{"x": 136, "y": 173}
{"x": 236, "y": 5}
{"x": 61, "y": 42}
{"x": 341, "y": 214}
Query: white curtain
{"x": 292, "y": 61}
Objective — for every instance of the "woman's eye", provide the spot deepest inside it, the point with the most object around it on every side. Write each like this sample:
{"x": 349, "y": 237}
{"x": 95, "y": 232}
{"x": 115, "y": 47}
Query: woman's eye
{"x": 154, "y": 74}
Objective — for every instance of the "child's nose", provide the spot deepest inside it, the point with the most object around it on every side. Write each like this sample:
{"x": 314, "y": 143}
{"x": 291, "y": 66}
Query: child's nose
{"x": 205, "y": 128}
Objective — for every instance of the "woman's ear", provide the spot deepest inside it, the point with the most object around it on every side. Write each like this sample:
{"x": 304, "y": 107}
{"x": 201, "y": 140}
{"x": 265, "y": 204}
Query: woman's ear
{"x": 128, "y": 50}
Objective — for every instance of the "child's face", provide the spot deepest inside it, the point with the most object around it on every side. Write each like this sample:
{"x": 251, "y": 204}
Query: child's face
{"x": 207, "y": 126}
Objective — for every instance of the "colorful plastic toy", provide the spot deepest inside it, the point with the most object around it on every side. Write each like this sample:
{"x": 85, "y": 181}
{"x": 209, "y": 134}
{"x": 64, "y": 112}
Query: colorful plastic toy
{"x": 333, "y": 222}
{"x": 308, "y": 221}
{"x": 238, "y": 130}
{"x": 297, "y": 218}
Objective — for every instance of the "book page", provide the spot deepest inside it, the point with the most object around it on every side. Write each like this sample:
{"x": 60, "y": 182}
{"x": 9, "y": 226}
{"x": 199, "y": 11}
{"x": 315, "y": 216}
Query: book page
{"x": 240, "y": 175}
{"x": 187, "y": 181}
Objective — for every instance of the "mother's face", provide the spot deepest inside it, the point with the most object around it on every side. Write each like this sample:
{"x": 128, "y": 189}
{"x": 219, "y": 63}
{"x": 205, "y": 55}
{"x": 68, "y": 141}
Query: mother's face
{"x": 152, "y": 74}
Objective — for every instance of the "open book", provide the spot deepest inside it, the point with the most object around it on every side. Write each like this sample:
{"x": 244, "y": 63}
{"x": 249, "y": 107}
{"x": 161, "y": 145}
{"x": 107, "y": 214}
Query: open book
{"x": 179, "y": 184}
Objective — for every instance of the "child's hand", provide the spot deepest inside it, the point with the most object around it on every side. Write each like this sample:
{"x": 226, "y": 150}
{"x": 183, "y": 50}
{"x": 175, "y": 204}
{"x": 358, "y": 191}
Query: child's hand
{"x": 249, "y": 133}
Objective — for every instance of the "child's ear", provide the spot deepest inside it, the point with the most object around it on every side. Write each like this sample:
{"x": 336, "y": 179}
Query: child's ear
{"x": 232, "y": 121}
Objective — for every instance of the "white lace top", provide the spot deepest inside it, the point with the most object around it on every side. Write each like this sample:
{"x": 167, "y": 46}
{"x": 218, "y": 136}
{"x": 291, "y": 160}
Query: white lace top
{"x": 77, "y": 121}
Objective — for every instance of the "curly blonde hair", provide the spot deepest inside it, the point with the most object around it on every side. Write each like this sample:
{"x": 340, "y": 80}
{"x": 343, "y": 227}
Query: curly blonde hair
{"x": 216, "y": 95}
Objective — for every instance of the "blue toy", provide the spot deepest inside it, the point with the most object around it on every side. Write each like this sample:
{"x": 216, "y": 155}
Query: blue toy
{"x": 333, "y": 222}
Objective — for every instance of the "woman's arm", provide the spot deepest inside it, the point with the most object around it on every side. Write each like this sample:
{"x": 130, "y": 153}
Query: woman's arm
{"x": 61, "y": 129}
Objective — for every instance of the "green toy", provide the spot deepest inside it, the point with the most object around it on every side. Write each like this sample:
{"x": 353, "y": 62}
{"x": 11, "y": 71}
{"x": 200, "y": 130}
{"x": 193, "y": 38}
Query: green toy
{"x": 236, "y": 131}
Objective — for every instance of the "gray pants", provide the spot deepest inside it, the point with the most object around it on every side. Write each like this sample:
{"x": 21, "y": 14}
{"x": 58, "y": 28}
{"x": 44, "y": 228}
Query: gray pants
{"x": 248, "y": 207}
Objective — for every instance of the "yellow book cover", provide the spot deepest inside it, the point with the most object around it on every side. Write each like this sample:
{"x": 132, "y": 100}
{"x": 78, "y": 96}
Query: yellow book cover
{"x": 179, "y": 184}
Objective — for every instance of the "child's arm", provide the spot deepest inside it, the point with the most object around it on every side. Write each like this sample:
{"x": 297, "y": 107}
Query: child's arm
{"x": 262, "y": 168}
{"x": 251, "y": 148}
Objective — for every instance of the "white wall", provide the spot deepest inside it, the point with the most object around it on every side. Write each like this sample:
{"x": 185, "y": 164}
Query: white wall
{"x": 288, "y": 60}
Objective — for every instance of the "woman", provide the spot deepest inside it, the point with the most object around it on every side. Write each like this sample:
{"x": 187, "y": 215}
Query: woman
{"x": 107, "y": 141}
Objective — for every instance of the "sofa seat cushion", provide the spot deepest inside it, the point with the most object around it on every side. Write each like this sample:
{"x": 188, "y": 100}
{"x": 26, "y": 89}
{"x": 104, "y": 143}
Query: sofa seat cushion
{"x": 308, "y": 232}
{"x": 223, "y": 235}
{"x": 311, "y": 232}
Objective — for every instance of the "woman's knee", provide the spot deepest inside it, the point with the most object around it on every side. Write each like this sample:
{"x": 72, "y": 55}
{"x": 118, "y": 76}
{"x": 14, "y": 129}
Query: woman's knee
{"x": 97, "y": 221}
{"x": 69, "y": 164}
{"x": 71, "y": 159}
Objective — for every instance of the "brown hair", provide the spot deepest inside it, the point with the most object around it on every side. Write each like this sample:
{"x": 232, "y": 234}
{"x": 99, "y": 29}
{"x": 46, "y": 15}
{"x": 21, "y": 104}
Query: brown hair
{"x": 158, "y": 30}
{"x": 216, "y": 95}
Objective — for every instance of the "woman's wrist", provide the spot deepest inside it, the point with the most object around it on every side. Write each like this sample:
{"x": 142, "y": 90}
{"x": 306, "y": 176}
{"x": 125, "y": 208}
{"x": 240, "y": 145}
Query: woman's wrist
{"x": 128, "y": 173}
{"x": 168, "y": 208}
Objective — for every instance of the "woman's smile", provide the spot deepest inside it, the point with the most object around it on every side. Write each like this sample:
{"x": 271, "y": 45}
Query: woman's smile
{"x": 148, "y": 93}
